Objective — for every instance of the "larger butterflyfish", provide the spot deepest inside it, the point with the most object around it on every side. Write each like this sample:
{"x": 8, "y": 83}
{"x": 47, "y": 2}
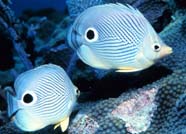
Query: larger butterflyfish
{"x": 116, "y": 36}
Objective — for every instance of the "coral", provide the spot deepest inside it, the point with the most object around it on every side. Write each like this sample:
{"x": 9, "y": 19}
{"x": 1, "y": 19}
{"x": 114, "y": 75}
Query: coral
{"x": 137, "y": 112}
{"x": 6, "y": 12}
{"x": 9, "y": 129}
{"x": 180, "y": 106}
{"x": 110, "y": 125}
{"x": 75, "y": 7}
{"x": 99, "y": 114}
{"x": 8, "y": 77}
{"x": 167, "y": 112}
{"x": 12, "y": 33}
{"x": 131, "y": 112}
{"x": 86, "y": 125}
{"x": 175, "y": 35}
{"x": 167, "y": 116}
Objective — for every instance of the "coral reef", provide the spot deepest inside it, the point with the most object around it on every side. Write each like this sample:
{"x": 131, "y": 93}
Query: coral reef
{"x": 168, "y": 118}
{"x": 86, "y": 125}
{"x": 131, "y": 112}
{"x": 137, "y": 112}
{"x": 9, "y": 23}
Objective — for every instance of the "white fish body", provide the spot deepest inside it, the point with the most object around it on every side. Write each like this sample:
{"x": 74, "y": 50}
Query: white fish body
{"x": 116, "y": 36}
{"x": 44, "y": 96}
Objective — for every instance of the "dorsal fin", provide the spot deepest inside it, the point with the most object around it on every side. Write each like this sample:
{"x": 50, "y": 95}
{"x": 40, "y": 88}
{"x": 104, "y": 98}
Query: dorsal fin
{"x": 75, "y": 7}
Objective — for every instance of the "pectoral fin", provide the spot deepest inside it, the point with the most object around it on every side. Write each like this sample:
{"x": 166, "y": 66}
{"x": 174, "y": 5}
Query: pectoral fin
{"x": 63, "y": 124}
{"x": 88, "y": 56}
{"x": 127, "y": 69}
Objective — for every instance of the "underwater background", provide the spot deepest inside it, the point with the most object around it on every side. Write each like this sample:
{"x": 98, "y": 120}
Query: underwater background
{"x": 152, "y": 101}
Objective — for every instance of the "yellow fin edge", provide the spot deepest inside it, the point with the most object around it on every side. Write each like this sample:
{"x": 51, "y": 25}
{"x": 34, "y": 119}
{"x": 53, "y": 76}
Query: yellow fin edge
{"x": 127, "y": 69}
{"x": 63, "y": 124}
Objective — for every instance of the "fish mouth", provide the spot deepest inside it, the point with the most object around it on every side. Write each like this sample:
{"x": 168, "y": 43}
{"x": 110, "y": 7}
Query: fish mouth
{"x": 12, "y": 117}
{"x": 165, "y": 50}
{"x": 17, "y": 120}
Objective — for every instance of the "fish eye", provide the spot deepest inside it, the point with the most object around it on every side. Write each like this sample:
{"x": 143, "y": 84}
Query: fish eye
{"x": 91, "y": 35}
{"x": 156, "y": 47}
{"x": 77, "y": 92}
{"x": 29, "y": 98}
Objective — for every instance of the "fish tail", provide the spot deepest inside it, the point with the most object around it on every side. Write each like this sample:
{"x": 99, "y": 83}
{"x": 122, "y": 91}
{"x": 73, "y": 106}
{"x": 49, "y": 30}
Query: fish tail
{"x": 12, "y": 105}
{"x": 75, "y": 7}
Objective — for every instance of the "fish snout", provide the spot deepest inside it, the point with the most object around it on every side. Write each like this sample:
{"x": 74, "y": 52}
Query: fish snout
{"x": 165, "y": 50}
{"x": 12, "y": 116}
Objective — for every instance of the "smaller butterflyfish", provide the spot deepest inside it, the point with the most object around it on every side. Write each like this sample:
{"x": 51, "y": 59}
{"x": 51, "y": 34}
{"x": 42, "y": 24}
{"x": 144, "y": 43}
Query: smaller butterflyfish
{"x": 43, "y": 96}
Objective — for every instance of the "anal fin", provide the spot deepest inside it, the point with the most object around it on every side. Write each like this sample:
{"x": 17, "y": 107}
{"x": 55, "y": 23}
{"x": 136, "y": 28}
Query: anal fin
{"x": 63, "y": 124}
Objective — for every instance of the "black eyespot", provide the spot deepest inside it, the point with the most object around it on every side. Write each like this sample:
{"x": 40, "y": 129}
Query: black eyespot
{"x": 90, "y": 34}
{"x": 28, "y": 98}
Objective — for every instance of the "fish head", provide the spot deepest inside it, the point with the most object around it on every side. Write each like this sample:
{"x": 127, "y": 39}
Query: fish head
{"x": 20, "y": 110}
{"x": 84, "y": 36}
{"x": 154, "y": 48}
{"x": 82, "y": 33}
